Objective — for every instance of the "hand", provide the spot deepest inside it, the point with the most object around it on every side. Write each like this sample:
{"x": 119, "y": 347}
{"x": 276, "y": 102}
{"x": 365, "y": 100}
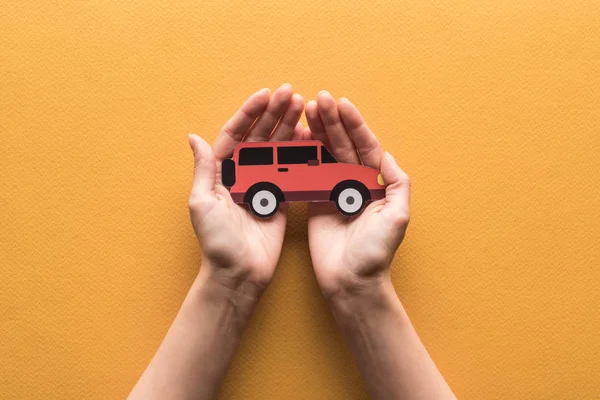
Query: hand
{"x": 240, "y": 250}
{"x": 349, "y": 253}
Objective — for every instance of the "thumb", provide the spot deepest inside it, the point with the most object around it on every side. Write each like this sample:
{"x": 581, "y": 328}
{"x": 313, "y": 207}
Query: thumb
{"x": 205, "y": 166}
{"x": 397, "y": 191}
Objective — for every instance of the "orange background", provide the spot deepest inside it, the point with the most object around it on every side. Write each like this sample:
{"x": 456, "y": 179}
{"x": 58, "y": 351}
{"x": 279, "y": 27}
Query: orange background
{"x": 493, "y": 108}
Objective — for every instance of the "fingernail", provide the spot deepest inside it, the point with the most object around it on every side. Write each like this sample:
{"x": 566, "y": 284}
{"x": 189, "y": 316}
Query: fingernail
{"x": 286, "y": 85}
{"x": 324, "y": 92}
{"x": 390, "y": 156}
{"x": 263, "y": 90}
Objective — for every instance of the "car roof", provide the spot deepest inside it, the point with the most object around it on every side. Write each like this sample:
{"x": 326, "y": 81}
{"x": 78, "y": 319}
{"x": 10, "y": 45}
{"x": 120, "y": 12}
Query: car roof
{"x": 287, "y": 143}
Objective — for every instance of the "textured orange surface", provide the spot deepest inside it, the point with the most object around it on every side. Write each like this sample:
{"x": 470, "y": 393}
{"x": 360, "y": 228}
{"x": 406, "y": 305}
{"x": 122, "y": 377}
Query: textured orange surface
{"x": 492, "y": 107}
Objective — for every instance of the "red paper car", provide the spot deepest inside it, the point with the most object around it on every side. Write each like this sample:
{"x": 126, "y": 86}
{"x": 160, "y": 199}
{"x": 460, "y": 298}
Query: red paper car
{"x": 265, "y": 174}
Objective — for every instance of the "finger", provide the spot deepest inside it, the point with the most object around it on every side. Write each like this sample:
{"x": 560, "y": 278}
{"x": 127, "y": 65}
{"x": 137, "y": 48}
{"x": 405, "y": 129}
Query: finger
{"x": 307, "y": 135}
{"x": 205, "y": 166}
{"x": 290, "y": 118}
{"x": 364, "y": 139}
{"x": 341, "y": 144}
{"x": 298, "y": 132}
{"x": 397, "y": 191}
{"x": 314, "y": 121}
{"x": 265, "y": 124}
{"x": 234, "y": 130}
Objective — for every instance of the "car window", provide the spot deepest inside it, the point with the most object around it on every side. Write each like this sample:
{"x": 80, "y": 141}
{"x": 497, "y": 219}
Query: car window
{"x": 256, "y": 156}
{"x": 326, "y": 156}
{"x": 296, "y": 154}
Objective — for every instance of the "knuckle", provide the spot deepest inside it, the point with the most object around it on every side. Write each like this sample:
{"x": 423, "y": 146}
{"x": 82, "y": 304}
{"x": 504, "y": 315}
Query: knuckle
{"x": 404, "y": 179}
{"x": 198, "y": 203}
{"x": 370, "y": 147}
{"x": 379, "y": 258}
{"x": 357, "y": 125}
{"x": 193, "y": 204}
{"x": 400, "y": 219}
{"x": 245, "y": 114}
{"x": 229, "y": 132}
{"x": 346, "y": 151}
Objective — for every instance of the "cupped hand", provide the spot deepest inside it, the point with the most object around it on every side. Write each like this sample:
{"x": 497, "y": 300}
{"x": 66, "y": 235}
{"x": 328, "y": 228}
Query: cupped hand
{"x": 239, "y": 249}
{"x": 350, "y": 253}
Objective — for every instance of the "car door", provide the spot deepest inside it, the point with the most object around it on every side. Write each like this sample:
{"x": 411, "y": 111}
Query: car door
{"x": 255, "y": 164}
{"x": 299, "y": 169}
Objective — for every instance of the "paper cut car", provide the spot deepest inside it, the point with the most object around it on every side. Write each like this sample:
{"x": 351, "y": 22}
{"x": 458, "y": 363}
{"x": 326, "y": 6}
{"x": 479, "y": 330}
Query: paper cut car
{"x": 265, "y": 174}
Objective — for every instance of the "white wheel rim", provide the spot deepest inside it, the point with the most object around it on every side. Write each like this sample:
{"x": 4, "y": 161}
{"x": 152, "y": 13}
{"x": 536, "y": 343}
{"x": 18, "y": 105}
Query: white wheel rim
{"x": 350, "y": 200}
{"x": 264, "y": 202}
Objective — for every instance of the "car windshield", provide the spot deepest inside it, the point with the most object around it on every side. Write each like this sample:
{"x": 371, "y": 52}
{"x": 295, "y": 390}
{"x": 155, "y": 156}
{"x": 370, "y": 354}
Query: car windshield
{"x": 326, "y": 157}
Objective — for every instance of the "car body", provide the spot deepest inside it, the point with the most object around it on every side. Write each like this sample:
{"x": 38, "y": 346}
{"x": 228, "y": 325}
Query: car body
{"x": 269, "y": 173}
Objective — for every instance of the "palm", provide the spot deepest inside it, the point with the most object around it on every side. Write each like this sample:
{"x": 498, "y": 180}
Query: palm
{"x": 343, "y": 248}
{"x": 243, "y": 239}
{"x": 339, "y": 243}
{"x": 264, "y": 238}
{"x": 233, "y": 240}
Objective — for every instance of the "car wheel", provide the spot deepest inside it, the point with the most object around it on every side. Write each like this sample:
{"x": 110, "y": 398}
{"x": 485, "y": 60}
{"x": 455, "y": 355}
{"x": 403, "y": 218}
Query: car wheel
{"x": 263, "y": 199}
{"x": 350, "y": 197}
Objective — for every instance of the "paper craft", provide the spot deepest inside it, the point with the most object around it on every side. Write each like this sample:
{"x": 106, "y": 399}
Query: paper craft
{"x": 265, "y": 174}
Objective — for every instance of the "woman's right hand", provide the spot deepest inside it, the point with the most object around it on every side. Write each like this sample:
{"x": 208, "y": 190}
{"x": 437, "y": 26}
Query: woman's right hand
{"x": 350, "y": 253}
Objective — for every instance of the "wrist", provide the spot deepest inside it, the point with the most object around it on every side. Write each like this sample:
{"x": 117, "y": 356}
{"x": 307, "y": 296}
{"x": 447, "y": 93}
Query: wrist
{"x": 343, "y": 281}
{"x": 221, "y": 284}
{"x": 370, "y": 300}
